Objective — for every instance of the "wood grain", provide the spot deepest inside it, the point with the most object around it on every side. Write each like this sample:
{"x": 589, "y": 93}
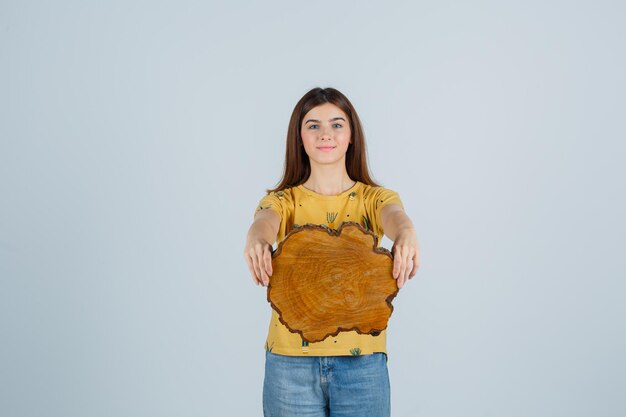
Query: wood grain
{"x": 326, "y": 281}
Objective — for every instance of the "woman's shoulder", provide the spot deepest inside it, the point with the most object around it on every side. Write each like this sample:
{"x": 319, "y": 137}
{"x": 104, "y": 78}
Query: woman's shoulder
{"x": 375, "y": 189}
{"x": 379, "y": 196}
{"x": 285, "y": 193}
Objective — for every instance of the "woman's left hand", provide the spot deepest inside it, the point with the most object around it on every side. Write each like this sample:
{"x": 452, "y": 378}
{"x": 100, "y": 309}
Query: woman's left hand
{"x": 405, "y": 252}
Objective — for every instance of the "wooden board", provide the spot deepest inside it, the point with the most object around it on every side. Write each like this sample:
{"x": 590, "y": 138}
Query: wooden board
{"x": 326, "y": 281}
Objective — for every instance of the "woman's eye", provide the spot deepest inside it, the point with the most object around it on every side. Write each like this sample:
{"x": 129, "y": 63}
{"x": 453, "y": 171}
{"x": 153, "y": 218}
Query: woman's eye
{"x": 314, "y": 126}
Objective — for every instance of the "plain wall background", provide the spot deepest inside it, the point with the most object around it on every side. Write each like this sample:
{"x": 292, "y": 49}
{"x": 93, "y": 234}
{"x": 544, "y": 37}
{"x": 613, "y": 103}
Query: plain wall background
{"x": 137, "y": 137}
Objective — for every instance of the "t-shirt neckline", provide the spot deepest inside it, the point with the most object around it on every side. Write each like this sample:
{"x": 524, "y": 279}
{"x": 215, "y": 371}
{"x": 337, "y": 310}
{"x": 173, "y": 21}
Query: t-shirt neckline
{"x": 312, "y": 193}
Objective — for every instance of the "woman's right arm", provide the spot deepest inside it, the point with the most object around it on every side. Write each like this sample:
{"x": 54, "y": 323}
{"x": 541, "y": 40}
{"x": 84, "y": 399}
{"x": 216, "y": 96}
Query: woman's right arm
{"x": 258, "y": 250}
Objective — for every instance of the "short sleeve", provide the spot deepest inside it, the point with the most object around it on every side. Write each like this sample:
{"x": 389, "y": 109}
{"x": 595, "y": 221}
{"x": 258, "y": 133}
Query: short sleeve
{"x": 281, "y": 202}
{"x": 271, "y": 201}
{"x": 375, "y": 199}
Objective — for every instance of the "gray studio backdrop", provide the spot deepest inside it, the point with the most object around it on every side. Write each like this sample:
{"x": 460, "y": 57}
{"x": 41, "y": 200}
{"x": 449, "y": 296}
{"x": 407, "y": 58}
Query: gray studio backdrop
{"x": 136, "y": 139}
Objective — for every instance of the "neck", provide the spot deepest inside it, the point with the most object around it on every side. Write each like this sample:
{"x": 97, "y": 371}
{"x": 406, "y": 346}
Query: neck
{"x": 328, "y": 180}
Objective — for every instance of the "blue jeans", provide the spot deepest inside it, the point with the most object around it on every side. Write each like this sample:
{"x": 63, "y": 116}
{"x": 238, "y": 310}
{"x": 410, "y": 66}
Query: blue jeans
{"x": 328, "y": 386}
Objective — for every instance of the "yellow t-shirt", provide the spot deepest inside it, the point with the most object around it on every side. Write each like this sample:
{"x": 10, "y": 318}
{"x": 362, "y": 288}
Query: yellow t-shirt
{"x": 298, "y": 206}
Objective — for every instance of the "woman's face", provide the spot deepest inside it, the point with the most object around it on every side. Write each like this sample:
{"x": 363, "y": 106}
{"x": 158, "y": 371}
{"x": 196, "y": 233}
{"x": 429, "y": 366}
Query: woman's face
{"x": 325, "y": 132}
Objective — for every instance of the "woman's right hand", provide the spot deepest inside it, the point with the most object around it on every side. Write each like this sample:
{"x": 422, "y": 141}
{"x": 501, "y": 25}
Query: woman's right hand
{"x": 258, "y": 254}
{"x": 258, "y": 250}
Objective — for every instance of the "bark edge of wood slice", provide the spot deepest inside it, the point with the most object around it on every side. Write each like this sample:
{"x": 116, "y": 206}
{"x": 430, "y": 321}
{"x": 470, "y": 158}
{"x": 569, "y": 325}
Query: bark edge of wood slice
{"x": 317, "y": 298}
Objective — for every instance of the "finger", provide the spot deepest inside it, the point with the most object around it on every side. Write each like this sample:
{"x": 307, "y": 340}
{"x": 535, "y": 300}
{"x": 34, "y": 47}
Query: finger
{"x": 409, "y": 268}
{"x": 413, "y": 270}
{"x": 397, "y": 269}
{"x": 398, "y": 263}
{"x": 251, "y": 269}
{"x": 252, "y": 274}
{"x": 257, "y": 269}
{"x": 263, "y": 270}
{"x": 262, "y": 274}
{"x": 415, "y": 266}
{"x": 267, "y": 256}
{"x": 403, "y": 264}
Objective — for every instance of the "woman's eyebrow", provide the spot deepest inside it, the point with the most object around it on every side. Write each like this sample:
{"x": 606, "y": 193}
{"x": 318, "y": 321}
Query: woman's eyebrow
{"x": 330, "y": 120}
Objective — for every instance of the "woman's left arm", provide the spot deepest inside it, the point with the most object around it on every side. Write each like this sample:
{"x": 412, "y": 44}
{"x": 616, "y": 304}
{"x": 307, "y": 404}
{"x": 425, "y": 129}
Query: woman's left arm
{"x": 398, "y": 227}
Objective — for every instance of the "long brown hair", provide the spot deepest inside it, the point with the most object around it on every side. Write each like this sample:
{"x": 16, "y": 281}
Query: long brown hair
{"x": 297, "y": 165}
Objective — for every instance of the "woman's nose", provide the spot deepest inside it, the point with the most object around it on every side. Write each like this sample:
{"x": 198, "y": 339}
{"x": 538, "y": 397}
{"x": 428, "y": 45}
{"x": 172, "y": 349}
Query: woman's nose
{"x": 326, "y": 133}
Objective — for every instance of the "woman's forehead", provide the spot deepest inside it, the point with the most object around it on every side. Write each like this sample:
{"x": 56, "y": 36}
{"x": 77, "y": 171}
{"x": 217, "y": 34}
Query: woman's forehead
{"x": 323, "y": 112}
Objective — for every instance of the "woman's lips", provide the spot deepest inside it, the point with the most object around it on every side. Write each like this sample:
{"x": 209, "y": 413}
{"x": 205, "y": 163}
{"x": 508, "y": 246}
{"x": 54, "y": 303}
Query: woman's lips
{"x": 326, "y": 148}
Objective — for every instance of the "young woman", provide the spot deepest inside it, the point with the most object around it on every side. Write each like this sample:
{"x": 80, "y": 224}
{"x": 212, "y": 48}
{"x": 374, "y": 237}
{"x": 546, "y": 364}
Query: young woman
{"x": 327, "y": 181}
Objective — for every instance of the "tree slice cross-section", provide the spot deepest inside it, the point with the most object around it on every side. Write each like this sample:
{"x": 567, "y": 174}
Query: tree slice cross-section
{"x": 325, "y": 281}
